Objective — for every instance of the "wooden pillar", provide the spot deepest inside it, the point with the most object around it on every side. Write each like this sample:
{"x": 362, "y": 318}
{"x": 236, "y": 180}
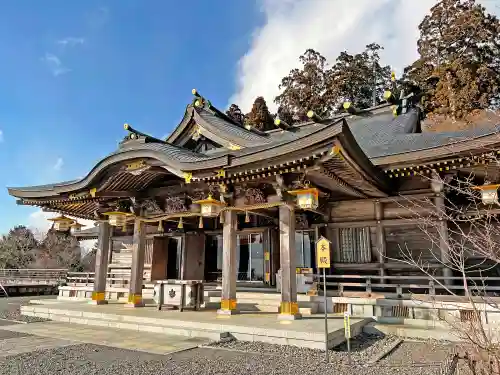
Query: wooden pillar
{"x": 380, "y": 237}
{"x": 101, "y": 264}
{"x": 137, "y": 271}
{"x": 289, "y": 308}
{"x": 442, "y": 227}
{"x": 229, "y": 266}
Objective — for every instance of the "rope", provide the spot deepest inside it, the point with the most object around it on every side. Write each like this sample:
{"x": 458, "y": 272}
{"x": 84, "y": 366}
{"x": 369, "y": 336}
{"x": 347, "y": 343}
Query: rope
{"x": 178, "y": 215}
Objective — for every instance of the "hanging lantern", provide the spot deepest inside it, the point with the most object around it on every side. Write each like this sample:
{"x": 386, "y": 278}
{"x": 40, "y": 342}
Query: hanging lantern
{"x": 489, "y": 193}
{"x": 117, "y": 219}
{"x": 62, "y": 223}
{"x": 210, "y": 207}
{"x": 307, "y": 198}
{"x": 76, "y": 227}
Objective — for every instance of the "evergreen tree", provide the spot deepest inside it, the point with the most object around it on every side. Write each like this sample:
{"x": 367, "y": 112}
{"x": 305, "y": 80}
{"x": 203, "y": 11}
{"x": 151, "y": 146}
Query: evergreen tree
{"x": 459, "y": 61}
{"x": 306, "y": 89}
{"x": 259, "y": 116}
{"x": 235, "y": 114}
{"x": 359, "y": 78}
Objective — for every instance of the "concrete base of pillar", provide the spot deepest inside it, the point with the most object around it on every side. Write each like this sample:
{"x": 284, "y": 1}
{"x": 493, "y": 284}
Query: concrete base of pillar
{"x": 101, "y": 302}
{"x": 289, "y": 317}
{"x": 136, "y": 304}
{"x": 221, "y": 312}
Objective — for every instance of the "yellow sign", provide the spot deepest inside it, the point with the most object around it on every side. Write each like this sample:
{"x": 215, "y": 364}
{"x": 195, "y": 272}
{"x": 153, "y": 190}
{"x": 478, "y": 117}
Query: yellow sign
{"x": 323, "y": 252}
{"x": 347, "y": 325}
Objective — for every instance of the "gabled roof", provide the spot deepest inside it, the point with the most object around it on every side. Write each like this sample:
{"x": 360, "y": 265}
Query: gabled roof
{"x": 215, "y": 126}
{"x": 369, "y": 138}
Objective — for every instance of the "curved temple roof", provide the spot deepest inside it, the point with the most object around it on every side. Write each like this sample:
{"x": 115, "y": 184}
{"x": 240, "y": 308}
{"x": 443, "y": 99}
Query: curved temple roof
{"x": 372, "y": 137}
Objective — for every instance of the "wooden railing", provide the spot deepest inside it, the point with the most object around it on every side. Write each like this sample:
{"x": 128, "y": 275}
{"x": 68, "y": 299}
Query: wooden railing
{"x": 116, "y": 278}
{"x": 37, "y": 276}
{"x": 404, "y": 286}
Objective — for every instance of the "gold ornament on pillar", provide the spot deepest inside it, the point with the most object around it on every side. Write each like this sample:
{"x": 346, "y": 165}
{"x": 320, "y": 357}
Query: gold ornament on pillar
{"x": 160, "y": 226}
{"x": 181, "y": 224}
{"x": 200, "y": 224}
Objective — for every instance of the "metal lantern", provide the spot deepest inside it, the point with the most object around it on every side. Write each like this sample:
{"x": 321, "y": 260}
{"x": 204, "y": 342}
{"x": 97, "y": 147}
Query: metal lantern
{"x": 489, "y": 193}
{"x": 210, "y": 207}
{"x": 76, "y": 227}
{"x": 307, "y": 198}
{"x": 117, "y": 219}
{"x": 62, "y": 223}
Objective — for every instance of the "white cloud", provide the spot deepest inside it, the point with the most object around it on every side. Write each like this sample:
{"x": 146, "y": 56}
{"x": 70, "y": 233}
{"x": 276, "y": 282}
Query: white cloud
{"x": 71, "y": 42}
{"x": 328, "y": 26}
{"x": 58, "y": 164}
{"x": 55, "y": 64}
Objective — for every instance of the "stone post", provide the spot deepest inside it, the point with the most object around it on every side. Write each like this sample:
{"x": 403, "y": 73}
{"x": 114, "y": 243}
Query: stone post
{"x": 101, "y": 264}
{"x": 289, "y": 308}
{"x": 229, "y": 266}
{"x": 137, "y": 271}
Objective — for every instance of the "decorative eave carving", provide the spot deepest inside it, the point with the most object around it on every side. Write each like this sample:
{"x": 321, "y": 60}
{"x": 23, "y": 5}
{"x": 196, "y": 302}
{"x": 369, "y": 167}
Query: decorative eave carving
{"x": 254, "y": 196}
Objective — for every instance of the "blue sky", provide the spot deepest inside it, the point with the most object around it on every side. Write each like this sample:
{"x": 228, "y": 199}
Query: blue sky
{"x": 73, "y": 72}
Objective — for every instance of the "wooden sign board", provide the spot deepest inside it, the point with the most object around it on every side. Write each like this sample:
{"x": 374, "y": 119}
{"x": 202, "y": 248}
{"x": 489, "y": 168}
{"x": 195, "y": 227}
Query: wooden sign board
{"x": 323, "y": 253}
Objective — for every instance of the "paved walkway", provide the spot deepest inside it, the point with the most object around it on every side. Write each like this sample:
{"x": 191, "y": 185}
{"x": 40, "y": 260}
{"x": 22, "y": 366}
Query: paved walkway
{"x": 56, "y": 334}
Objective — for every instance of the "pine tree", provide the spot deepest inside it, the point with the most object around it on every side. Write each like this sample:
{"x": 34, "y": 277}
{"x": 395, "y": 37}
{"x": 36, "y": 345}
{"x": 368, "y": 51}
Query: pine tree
{"x": 359, "y": 78}
{"x": 459, "y": 61}
{"x": 259, "y": 116}
{"x": 306, "y": 89}
{"x": 234, "y": 112}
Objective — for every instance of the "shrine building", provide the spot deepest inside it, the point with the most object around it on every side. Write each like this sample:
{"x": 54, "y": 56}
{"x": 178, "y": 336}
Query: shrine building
{"x": 226, "y": 203}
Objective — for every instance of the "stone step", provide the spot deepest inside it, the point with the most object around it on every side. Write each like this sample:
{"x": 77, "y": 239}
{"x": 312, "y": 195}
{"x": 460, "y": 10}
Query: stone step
{"x": 249, "y": 302}
{"x": 411, "y": 331}
{"x": 190, "y": 326}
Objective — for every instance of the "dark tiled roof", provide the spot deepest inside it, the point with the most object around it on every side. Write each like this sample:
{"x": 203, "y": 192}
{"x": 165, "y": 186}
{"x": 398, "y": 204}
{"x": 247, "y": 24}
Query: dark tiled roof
{"x": 175, "y": 153}
{"x": 237, "y": 133}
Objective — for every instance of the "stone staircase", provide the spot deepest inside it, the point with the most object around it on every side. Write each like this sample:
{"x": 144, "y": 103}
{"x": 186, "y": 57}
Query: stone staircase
{"x": 260, "y": 302}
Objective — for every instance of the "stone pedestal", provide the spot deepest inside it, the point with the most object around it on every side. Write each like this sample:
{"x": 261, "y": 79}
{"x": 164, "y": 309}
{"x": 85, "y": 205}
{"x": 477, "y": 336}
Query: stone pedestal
{"x": 137, "y": 270}
{"x": 101, "y": 264}
{"x": 228, "y": 297}
{"x": 289, "y": 308}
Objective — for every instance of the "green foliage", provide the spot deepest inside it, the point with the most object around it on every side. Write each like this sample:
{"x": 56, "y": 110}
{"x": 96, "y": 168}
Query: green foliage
{"x": 259, "y": 116}
{"x": 358, "y": 78}
{"x": 459, "y": 61}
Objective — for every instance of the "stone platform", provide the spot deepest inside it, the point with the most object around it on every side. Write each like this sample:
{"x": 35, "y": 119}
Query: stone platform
{"x": 253, "y": 326}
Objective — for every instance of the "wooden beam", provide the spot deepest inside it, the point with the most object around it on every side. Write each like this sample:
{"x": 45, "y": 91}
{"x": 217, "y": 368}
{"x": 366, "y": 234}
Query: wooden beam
{"x": 373, "y": 223}
{"x": 116, "y": 194}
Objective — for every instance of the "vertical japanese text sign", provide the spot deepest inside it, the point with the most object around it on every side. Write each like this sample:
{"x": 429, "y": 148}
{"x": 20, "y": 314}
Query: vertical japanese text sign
{"x": 323, "y": 253}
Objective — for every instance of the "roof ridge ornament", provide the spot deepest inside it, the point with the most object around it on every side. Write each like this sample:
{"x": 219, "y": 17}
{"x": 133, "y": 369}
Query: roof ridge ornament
{"x": 135, "y": 135}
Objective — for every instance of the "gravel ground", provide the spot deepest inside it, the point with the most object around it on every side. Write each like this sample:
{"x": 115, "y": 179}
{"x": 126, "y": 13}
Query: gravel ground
{"x": 92, "y": 359}
{"x": 428, "y": 352}
{"x": 10, "y": 308}
{"x": 363, "y": 348}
